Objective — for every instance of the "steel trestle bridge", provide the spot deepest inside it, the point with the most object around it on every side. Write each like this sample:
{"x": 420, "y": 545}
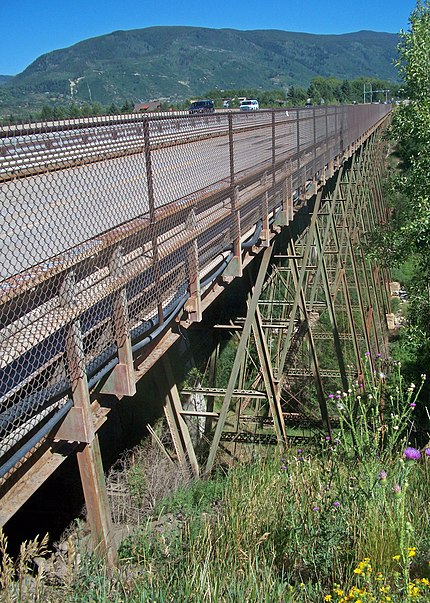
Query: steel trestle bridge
{"x": 116, "y": 229}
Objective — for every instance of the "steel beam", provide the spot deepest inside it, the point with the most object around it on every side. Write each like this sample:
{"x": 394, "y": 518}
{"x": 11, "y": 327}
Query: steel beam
{"x": 239, "y": 356}
{"x": 177, "y": 425}
{"x": 269, "y": 381}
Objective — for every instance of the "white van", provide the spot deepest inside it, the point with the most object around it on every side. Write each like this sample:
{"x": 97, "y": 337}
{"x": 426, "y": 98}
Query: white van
{"x": 249, "y": 105}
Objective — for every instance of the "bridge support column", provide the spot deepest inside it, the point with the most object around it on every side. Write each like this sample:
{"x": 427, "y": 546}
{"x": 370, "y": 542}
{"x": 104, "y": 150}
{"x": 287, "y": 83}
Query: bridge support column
{"x": 78, "y": 426}
{"x": 273, "y": 395}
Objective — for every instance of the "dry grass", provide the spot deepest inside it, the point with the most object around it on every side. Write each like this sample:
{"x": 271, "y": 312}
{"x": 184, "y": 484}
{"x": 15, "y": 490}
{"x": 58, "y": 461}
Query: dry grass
{"x": 140, "y": 479}
{"x": 16, "y": 580}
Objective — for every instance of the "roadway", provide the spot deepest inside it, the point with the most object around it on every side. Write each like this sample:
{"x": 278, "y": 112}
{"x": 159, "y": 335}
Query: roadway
{"x": 43, "y": 215}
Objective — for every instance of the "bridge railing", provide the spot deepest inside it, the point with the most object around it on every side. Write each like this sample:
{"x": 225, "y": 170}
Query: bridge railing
{"x": 110, "y": 227}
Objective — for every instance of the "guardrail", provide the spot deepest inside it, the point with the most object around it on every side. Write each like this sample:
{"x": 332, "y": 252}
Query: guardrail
{"x": 111, "y": 227}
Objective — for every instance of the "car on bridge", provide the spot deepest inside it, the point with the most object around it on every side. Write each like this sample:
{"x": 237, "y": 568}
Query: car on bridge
{"x": 202, "y": 106}
{"x": 249, "y": 105}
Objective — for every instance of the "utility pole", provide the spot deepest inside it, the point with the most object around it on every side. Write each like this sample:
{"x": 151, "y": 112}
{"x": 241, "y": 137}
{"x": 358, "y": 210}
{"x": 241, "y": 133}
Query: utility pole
{"x": 367, "y": 92}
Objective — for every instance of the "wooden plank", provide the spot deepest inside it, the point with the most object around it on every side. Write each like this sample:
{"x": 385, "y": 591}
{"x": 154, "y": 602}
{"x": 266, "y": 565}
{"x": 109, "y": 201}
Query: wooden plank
{"x": 21, "y": 491}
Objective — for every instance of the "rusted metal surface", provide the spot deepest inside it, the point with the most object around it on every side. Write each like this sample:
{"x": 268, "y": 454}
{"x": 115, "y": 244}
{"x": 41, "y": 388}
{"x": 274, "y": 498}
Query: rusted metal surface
{"x": 113, "y": 228}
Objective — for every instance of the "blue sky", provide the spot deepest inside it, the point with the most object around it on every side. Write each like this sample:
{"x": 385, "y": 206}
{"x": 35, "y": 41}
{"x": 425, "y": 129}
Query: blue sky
{"x": 30, "y": 28}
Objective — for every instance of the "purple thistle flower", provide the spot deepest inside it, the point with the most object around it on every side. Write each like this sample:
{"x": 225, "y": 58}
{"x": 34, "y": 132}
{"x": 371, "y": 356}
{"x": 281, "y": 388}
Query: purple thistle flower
{"x": 412, "y": 454}
{"x": 284, "y": 467}
{"x": 427, "y": 451}
{"x": 336, "y": 503}
{"x": 382, "y": 476}
{"x": 397, "y": 490}
{"x": 299, "y": 450}
{"x": 331, "y": 396}
{"x": 378, "y": 355}
{"x": 367, "y": 353}
{"x": 327, "y": 438}
{"x": 412, "y": 404}
{"x": 316, "y": 509}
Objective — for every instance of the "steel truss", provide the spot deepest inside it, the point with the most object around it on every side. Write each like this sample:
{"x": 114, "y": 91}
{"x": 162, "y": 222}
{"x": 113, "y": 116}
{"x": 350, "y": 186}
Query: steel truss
{"x": 316, "y": 313}
{"x": 108, "y": 312}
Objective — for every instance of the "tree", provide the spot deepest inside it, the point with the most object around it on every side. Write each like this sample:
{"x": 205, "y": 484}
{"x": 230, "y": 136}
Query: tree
{"x": 96, "y": 109}
{"x": 74, "y": 111}
{"x": 411, "y": 127}
{"x": 113, "y": 109}
{"x": 127, "y": 107}
{"x": 47, "y": 113}
{"x": 346, "y": 91}
{"x": 296, "y": 95}
{"x": 59, "y": 112}
{"x": 409, "y": 235}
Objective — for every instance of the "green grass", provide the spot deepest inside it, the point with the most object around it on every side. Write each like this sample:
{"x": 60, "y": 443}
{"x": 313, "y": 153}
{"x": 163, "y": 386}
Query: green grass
{"x": 289, "y": 530}
{"x": 194, "y": 499}
{"x": 347, "y": 520}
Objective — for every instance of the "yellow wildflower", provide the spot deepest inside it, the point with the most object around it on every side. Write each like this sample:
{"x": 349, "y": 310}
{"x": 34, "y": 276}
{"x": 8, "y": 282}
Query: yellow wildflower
{"x": 328, "y": 598}
{"x": 396, "y": 558}
{"x": 412, "y": 551}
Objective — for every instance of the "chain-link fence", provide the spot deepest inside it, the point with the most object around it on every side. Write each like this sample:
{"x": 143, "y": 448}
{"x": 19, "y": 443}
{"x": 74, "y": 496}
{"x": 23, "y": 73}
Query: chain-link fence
{"x": 111, "y": 226}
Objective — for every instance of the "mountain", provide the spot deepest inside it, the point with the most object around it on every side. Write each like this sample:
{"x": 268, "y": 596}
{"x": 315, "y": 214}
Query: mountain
{"x": 181, "y": 62}
{"x": 5, "y": 78}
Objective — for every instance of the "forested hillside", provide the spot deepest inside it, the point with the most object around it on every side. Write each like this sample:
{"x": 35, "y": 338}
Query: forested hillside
{"x": 181, "y": 62}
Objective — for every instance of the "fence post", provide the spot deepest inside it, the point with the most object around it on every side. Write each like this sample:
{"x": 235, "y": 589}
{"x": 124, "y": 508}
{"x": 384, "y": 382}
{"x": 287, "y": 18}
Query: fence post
{"x": 152, "y": 218}
{"x": 302, "y": 188}
{"x": 193, "y": 305}
{"x": 314, "y": 167}
{"x": 265, "y": 232}
{"x": 273, "y": 147}
{"x": 235, "y": 266}
{"x": 121, "y": 381}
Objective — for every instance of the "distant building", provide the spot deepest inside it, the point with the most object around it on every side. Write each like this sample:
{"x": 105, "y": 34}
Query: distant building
{"x": 147, "y": 107}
